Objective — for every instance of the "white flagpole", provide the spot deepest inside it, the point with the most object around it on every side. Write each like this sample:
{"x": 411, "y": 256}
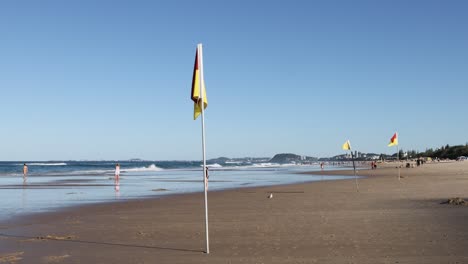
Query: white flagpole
{"x": 202, "y": 95}
{"x": 398, "y": 161}
{"x": 354, "y": 167}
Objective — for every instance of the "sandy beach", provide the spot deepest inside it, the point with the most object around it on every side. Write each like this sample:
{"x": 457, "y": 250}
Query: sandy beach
{"x": 387, "y": 221}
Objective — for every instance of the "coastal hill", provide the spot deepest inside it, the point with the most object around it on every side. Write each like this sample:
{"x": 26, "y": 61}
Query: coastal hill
{"x": 282, "y": 158}
{"x": 291, "y": 158}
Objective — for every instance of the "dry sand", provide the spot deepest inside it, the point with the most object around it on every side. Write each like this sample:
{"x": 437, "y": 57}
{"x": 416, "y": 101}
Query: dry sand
{"x": 323, "y": 222}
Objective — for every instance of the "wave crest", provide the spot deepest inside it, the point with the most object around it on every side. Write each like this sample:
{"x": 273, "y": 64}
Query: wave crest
{"x": 46, "y": 164}
{"x": 151, "y": 167}
{"x": 265, "y": 165}
{"x": 216, "y": 165}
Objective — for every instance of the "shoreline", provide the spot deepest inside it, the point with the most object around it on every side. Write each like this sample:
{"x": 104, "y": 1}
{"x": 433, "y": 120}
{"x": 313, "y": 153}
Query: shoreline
{"x": 104, "y": 203}
{"x": 155, "y": 194}
{"x": 314, "y": 222}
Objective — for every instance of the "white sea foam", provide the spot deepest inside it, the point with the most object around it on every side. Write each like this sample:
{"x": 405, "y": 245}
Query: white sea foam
{"x": 216, "y": 165}
{"x": 151, "y": 167}
{"x": 272, "y": 165}
{"x": 46, "y": 164}
{"x": 233, "y": 162}
{"x": 265, "y": 165}
{"x": 252, "y": 166}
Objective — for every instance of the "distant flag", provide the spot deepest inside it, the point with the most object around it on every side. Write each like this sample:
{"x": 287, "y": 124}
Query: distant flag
{"x": 196, "y": 91}
{"x": 347, "y": 145}
{"x": 393, "y": 140}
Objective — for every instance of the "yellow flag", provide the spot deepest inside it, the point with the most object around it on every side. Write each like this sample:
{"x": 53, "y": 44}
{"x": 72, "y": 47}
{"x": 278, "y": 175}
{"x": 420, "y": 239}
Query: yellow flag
{"x": 196, "y": 91}
{"x": 347, "y": 145}
{"x": 393, "y": 140}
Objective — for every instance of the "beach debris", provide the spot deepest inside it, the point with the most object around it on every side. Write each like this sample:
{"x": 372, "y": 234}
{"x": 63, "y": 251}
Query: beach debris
{"x": 270, "y": 196}
{"x": 456, "y": 201}
{"x": 52, "y": 237}
{"x": 144, "y": 234}
{"x": 11, "y": 257}
{"x": 159, "y": 190}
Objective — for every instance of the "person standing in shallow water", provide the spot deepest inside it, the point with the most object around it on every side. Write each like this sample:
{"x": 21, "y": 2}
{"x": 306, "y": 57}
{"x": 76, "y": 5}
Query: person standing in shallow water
{"x": 206, "y": 177}
{"x": 25, "y": 173}
{"x": 25, "y": 170}
{"x": 117, "y": 171}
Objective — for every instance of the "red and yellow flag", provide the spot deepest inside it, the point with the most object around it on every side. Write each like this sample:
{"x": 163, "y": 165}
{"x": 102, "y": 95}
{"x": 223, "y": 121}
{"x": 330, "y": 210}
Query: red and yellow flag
{"x": 196, "y": 91}
{"x": 393, "y": 140}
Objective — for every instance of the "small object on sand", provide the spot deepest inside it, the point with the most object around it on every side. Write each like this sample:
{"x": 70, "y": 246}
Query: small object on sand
{"x": 159, "y": 190}
{"x": 53, "y": 237}
{"x": 456, "y": 201}
{"x": 270, "y": 196}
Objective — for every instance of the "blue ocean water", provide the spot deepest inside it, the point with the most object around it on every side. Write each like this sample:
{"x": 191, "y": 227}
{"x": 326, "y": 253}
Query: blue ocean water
{"x": 91, "y": 167}
{"x": 57, "y": 184}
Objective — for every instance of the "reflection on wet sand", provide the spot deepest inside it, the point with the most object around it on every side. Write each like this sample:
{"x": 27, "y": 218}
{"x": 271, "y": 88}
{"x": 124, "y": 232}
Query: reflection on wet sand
{"x": 24, "y": 199}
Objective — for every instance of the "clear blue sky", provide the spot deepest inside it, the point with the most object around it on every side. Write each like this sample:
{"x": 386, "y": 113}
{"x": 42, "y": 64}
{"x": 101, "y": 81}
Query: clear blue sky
{"x": 111, "y": 79}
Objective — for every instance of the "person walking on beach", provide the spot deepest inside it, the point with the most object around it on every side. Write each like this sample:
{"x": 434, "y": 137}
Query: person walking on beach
{"x": 117, "y": 171}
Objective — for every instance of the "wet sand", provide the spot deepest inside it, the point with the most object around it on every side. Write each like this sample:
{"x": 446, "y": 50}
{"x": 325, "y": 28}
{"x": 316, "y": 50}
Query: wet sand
{"x": 387, "y": 221}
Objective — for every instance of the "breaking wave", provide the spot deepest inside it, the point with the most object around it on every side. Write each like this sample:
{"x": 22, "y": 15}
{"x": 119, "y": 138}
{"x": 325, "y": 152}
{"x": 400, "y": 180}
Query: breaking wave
{"x": 46, "y": 164}
{"x": 151, "y": 167}
{"x": 272, "y": 165}
{"x": 216, "y": 165}
{"x": 265, "y": 165}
